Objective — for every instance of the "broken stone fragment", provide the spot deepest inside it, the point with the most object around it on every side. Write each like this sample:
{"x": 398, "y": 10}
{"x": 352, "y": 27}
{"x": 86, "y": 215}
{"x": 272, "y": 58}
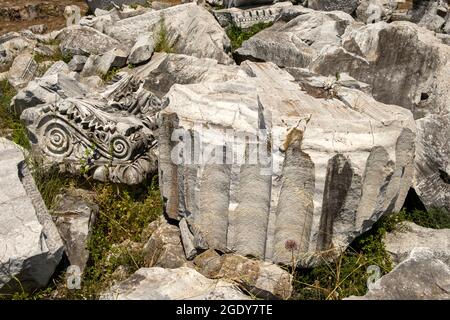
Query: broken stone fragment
{"x": 187, "y": 239}
{"x": 142, "y": 50}
{"x": 31, "y": 247}
{"x": 38, "y": 28}
{"x": 407, "y": 236}
{"x": 47, "y": 90}
{"x": 297, "y": 42}
{"x": 247, "y": 17}
{"x": 262, "y": 279}
{"x": 80, "y": 40}
{"x": 95, "y": 5}
{"x": 77, "y": 63}
{"x": 432, "y": 166}
{"x": 186, "y": 26}
{"x": 56, "y": 68}
{"x": 172, "y": 284}
{"x": 164, "y": 248}
{"x": 101, "y": 64}
{"x": 208, "y": 263}
{"x": 421, "y": 276}
{"x": 13, "y": 44}
{"x": 348, "y": 6}
{"x": 23, "y": 70}
{"x": 74, "y": 214}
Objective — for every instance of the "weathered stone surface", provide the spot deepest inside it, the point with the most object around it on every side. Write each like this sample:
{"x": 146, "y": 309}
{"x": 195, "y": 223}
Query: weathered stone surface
{"x": 246, "y": 17}
{"x": 47, "y": 90}
{"x": 371, "y": 11}
{"x": 101, "y": 64}
{"x": 164, "y": 248}
{"x": 99, "y": 23}
{"x": 100, "y": 12}
{"x": 56, "y": 68}
{"x": 30, "y": 244}
{"x": 186, "y": 26}
{"x": 11, "y": 45}
{"x": 314, "y": 84}
{"x": 370, "y": 54}
{"x": 400, "y": 243}
{"x": 297, "y": 42}
{"x": 74, "y": 214}
{"x": 165, "y": 70}
{"x": 79, "y": 40}
{"x": 38, "y": 28}
{"x": 159, "y": 5}
{"x": 336, "y": 162}
{"x": 23, "y": 70}
{"x": 244, "y": 3}
{"x": 187, "y": 239}
{"x": 421, "y": 276}
{"x": 108, "y": 4}
{"x": 142, "y": 50}
{"x": 93, "y": 82}
{"x": 348, "y": 6}
{"x": 434, "y": 17}
{"x": 77, "y": 63}
{"x": 208, "y": 263}
{"x": 432, "y": 165}
{"x": 172, "y": 284}
{"x": 262, "y": 279}
{"x": 152, "y": 226}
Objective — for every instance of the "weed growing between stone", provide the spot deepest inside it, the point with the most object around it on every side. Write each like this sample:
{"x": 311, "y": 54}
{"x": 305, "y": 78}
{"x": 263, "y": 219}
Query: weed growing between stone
{"x": 347, "y": 275}
{"x": 10, "y": 125}
{"x": 115, "y": 241}
{"x": 238, "y": 35}
{"x": 162, "y": 43}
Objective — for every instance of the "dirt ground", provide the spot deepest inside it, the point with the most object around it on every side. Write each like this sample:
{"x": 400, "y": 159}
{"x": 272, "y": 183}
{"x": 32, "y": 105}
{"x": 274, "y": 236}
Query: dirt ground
{"x": 54, "y": 20}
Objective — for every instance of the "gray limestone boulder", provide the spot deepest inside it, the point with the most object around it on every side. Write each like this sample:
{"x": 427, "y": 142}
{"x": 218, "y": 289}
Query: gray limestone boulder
{"x": 335, "y": 161}
{"x": 165, "y": 70}
{"x": 432, "y": 165}
{"x": 172, "y": 284}
{"x": 101, "y": 64}
{"x": 348, "y": 6}
{"x": 401, "y": 242}
{"x": 262, "y": 279}
{"x": 80, "y": 40}
{"x": 31, "y": 247}
{"x": 23, "y": 70}
{"x": 74, "y": 213}
{"x": 184, "y": 27}
{"x": 56, "y": 68}
{"x": 421, "y": 276}
{"x": 47, "y": 90}
{"x": 298, "y": 42}
{"x": 11, "y": 45}
{"x": 164, "y": 248}
{"x": 109, "y": 4}
{"x": 142, "y": 50}
{"x": 415, "y": 77}
{"x": 77, "y": 63}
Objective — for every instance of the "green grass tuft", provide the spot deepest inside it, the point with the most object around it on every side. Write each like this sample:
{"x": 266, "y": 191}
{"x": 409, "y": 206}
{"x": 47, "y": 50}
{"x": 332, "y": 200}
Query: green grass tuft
{"x": 238, "y": 35}
{"x": 348, "y": 275}
{"x": 110, "y": 74}
{"x": 162, "y": 43}
{"x": 10, "y": 124}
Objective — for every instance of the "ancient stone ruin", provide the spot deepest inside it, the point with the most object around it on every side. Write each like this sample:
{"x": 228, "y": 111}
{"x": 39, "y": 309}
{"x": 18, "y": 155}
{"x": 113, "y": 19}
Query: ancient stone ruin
{"x": 273, "y": 149}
